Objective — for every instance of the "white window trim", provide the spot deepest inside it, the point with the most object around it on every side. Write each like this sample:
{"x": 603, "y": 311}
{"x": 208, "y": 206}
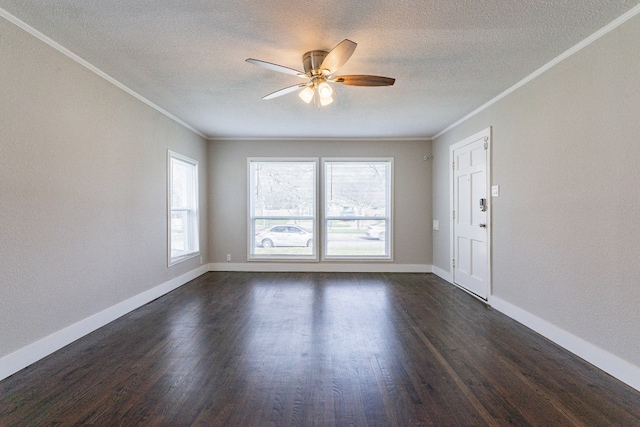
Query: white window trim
{"x": 196, "y": 233}
{"x": 314, "y": 257}
{"x": 389, "y": 218}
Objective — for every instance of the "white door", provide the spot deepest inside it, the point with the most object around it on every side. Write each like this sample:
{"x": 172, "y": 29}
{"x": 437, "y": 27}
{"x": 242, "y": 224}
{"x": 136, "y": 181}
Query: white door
{"x": 470, "y": 214}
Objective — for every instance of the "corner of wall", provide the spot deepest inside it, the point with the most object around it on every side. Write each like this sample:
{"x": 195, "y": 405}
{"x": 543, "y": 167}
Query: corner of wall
{"x": 443, "y": 274}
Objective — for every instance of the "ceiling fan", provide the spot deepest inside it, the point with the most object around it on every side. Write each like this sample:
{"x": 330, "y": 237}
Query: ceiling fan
{"x": 320, "y": 67}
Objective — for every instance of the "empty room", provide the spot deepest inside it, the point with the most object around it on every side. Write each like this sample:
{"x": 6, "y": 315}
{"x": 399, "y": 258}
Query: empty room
{"x": 234, "y": 213}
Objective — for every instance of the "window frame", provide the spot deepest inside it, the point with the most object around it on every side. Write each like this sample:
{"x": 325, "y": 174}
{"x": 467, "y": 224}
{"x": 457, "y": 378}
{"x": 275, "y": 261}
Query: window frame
{"x": 324, "y": 219}
{"x": 192, "y": 209}
{"x": 251, "y": 217}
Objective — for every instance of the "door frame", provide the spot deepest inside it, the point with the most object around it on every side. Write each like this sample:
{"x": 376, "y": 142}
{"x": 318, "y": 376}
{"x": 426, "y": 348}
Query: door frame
{"x": 486, "y": 134}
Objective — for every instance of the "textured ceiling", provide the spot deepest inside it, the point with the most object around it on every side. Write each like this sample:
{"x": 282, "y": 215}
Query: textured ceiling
{"x": 188, "y": 56}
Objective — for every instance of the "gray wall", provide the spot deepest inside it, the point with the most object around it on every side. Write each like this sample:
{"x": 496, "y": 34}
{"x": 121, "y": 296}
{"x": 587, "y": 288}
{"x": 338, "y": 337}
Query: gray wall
{"x": 566, "y": 231}
{"x": 228, "y": 191}
{"x": 82, "y": 192}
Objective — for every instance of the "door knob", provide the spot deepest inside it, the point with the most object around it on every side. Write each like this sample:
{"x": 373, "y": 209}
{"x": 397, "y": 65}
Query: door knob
{"x": 483, "y": 225}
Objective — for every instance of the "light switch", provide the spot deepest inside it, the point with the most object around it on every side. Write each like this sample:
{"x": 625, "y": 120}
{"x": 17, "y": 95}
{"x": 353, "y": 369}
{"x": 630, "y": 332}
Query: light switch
{"x": 495, "y": 191}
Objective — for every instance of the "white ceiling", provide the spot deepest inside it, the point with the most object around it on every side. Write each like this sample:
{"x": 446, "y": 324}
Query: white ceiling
{"x": 188, "y": 56}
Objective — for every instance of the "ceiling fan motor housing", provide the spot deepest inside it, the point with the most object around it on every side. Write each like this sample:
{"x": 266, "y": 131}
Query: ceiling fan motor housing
{"x": 312, "y": 61}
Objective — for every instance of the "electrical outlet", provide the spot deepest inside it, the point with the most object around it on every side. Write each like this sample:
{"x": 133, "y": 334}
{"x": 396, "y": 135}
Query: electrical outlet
{"x": 436, "y": 225}
{"x": 495, "y": 191}
{"x": 228, "y": 257}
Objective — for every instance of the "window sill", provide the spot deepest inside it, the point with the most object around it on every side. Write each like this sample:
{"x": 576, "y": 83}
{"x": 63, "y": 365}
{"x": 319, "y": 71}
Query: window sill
{"x": 182, "y": 258}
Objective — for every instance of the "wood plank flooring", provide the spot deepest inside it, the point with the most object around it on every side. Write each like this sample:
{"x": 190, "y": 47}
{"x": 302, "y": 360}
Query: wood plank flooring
{"x": 315, "y": 349}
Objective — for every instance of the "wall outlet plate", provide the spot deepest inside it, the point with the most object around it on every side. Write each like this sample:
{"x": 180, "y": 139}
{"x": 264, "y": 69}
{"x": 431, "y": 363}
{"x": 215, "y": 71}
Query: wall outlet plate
{"x": 495, "y": 191}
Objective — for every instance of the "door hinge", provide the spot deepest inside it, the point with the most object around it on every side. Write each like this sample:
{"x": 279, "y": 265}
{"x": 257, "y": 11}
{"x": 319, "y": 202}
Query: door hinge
{"x": 453, "y": 261}
{"x": 454, "y": 214}
{"x": 453, "y": 165}
{"x": 486, "y": 145}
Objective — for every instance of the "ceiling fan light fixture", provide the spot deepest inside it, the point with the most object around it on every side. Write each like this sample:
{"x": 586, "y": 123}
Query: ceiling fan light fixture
{"x": 325, "y": 90}
{"x": 326, "y": 100}
{"x": 306, "y": 94}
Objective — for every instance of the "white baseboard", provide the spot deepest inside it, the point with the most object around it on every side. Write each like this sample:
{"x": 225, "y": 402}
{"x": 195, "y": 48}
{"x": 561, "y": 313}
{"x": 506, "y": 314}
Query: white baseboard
{"x": 24, "y": 357}
{"x": 321, "y": 267}
{"x": 443, "y": 274}
{"x": 611, "y": 364}
{"x": 20, "y": 359}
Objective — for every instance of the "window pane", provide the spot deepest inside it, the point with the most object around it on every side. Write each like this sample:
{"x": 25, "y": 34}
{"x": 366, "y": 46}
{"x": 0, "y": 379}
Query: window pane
{"x": 357, "y": 210}
{"x": 282, "y": 209}
{"x": 179, "y": 233}
{"x": 356, "y": 189}
{"x": 183, "y": 209}
{"x": 182, "y": 184}
{"x": 283, "y": 188}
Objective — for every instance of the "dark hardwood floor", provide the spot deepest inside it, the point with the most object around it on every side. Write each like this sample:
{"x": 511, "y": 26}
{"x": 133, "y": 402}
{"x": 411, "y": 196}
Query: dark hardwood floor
{"x": 303, "y": 349}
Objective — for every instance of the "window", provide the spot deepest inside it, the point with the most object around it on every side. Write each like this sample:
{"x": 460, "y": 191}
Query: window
{"x": 356, "y": 205}
{"x": 183, "y": 208}
{"x": 282, "y": 209}
{"x": 357, "y": 208}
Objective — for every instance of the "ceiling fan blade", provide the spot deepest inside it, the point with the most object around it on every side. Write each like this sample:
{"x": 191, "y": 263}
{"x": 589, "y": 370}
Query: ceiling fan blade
{"x": 337, "y": 57}
{"x": 363, "y": 80}
{"x": 276, "y": 67}
{"x": 285, "y": 91}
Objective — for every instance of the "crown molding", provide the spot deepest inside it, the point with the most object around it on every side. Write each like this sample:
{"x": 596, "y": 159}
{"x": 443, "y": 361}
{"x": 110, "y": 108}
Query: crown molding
{"x": 319, "y": 139}
{"x": 570, "y": 52}
{"x": 26, "y": 27}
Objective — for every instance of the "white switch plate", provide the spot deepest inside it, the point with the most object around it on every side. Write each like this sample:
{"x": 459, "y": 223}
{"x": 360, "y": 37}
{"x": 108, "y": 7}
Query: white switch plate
{"x": 495, "y": 191}
{"x": 436, "y": 225}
